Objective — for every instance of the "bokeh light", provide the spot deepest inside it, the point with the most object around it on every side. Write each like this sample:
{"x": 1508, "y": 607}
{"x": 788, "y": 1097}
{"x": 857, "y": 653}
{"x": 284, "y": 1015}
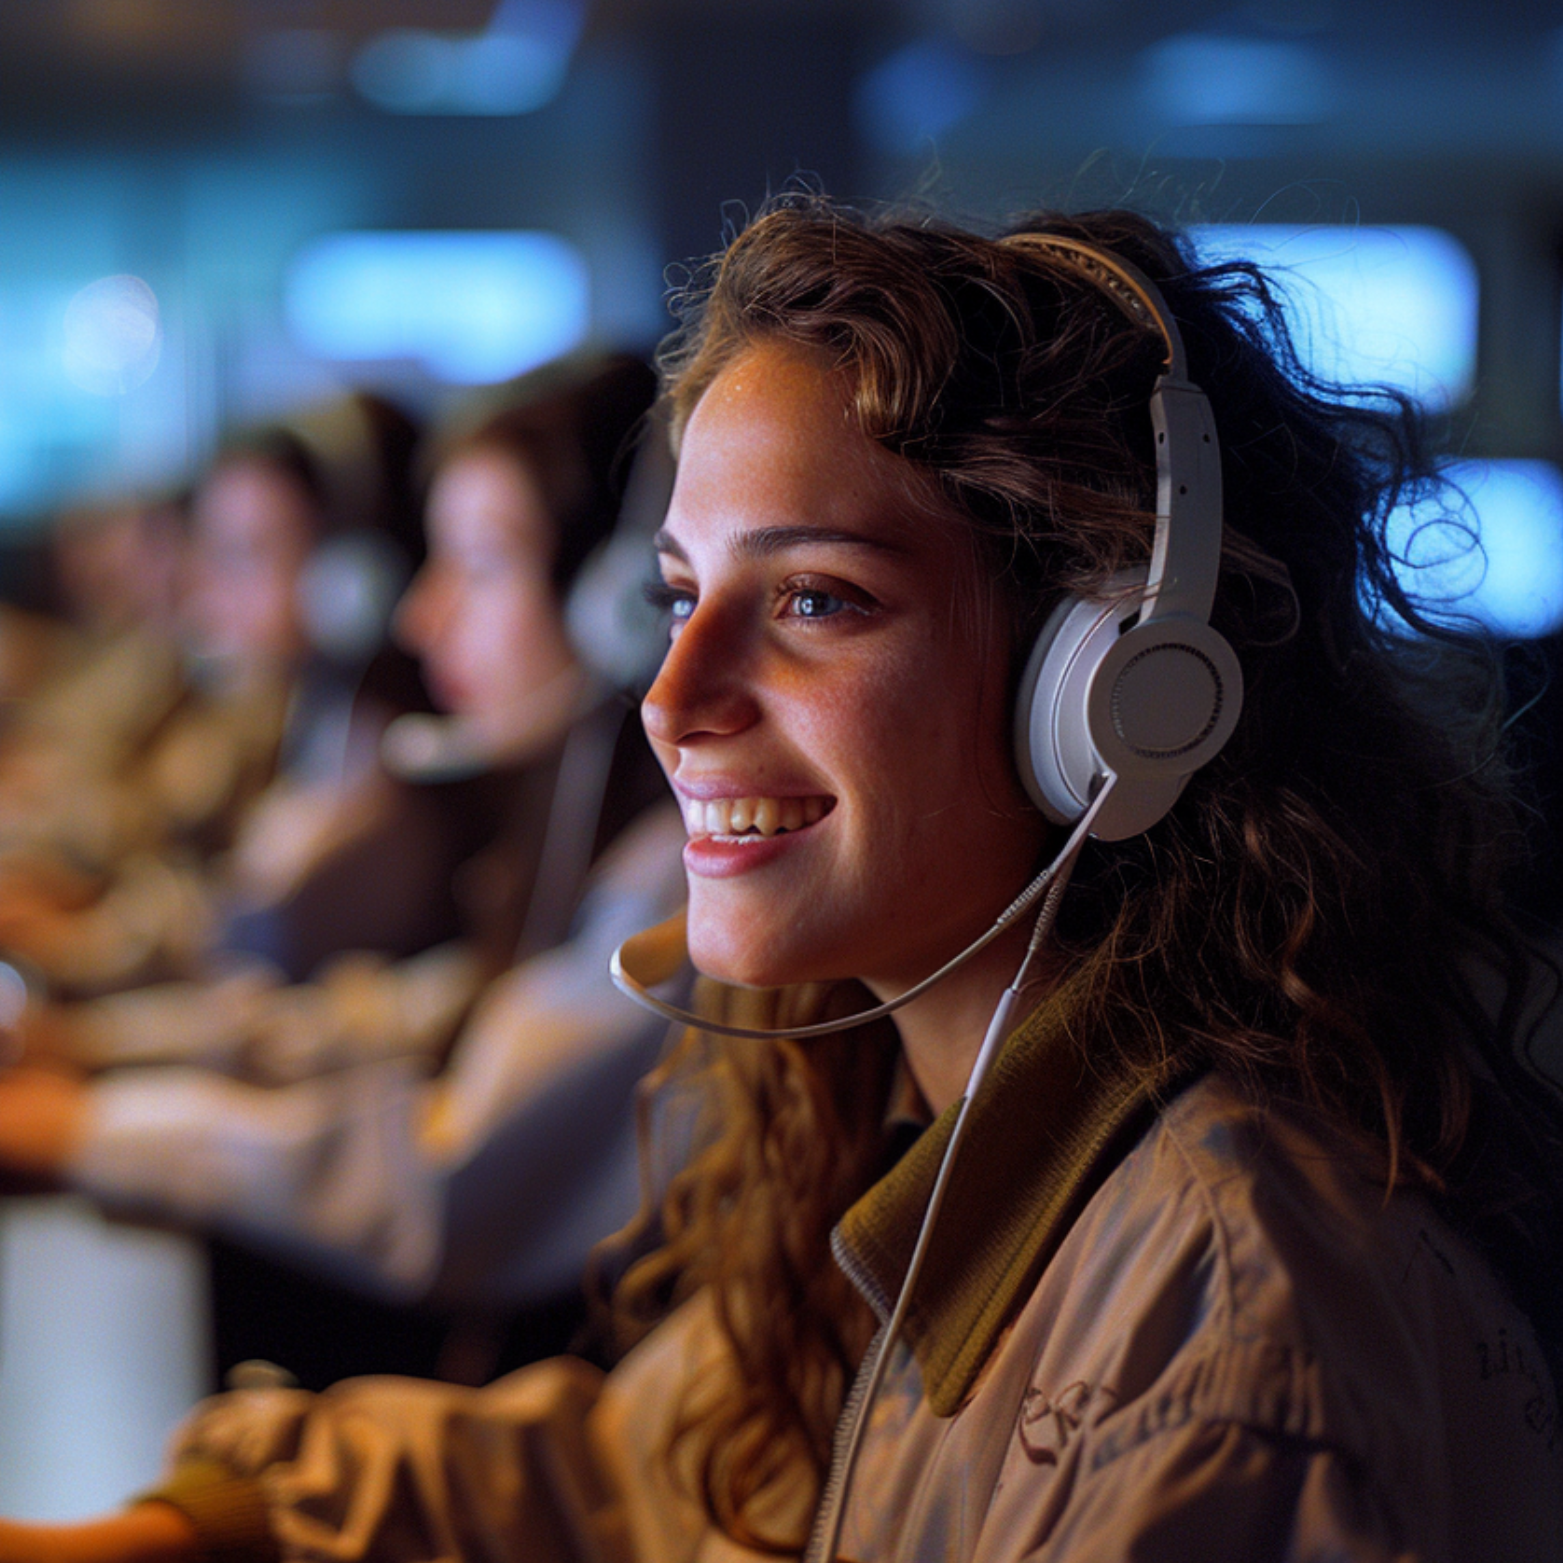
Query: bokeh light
{"x": 471, "y": 307}
{"x": 113, "y": 336}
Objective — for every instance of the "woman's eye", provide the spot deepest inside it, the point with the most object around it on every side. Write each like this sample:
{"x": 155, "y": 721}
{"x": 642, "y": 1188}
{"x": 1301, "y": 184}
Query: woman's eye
{"x": 814, "y": 602}
{"x": 674, "y": 601}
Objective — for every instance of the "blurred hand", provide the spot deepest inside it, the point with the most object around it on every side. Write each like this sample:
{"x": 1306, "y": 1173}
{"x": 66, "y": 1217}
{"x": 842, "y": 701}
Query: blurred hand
{"x": 41, "y": 904}
{"x": 43, "y": 1116}
{"x": 44, "y": 1033}
{"x": 37, "y": 929}
{"x": 146, "y": 1533}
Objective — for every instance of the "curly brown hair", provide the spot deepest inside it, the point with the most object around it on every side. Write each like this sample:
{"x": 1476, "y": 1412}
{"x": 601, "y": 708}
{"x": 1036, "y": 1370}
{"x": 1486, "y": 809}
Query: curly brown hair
{"x": 1318, "y": 914}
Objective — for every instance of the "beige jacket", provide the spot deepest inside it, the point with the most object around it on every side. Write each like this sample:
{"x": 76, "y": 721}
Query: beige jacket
{"x": 1193, "y": 1333}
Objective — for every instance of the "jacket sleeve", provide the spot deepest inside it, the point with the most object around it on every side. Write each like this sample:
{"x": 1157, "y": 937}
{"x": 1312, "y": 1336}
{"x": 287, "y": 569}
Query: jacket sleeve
{"x": 556, "y": 1463}
{"x": 401, "y": 1471}
{"x": 487, "y": 1186}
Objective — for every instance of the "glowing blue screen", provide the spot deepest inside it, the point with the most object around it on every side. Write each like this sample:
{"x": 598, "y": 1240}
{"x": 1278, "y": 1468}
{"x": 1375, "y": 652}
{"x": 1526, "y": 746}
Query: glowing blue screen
{"x": 471, "y": 307}
{"x": 1392, "y": 306}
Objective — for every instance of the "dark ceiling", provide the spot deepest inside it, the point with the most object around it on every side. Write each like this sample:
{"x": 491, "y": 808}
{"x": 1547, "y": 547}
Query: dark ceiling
{"x": 60, "y": 57}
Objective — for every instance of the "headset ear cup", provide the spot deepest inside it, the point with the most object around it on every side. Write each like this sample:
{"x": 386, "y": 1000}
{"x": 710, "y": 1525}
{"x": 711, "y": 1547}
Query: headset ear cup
{"x": 1162, "y": 703}
{"x": 1149, "y": 702}
{"x": 347, "y": 594}
{"x": 614, "y": 630}
{"x": 1058, "y": 764}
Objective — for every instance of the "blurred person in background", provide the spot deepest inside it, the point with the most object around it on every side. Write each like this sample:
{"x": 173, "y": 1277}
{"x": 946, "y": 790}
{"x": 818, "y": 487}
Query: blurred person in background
{"x": 48, "y": 612}
{"x": 116, "y": 676}
{"x": 101, "y": 584}
{"x": 240, "y": 803}
{"x": 118, "y": 566}
{"x": 454, "y": 1129}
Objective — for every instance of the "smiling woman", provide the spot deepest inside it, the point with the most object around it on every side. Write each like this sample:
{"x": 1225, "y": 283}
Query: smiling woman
{"x": 816, "y": 666}
{"x": 1245, "y": 1214}
{"x": 901, "y": 448}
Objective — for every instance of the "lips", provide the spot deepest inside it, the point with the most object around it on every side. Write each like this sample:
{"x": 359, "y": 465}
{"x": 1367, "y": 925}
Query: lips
{"x": 448, "y": 689}
{"x": 734, "y": 833}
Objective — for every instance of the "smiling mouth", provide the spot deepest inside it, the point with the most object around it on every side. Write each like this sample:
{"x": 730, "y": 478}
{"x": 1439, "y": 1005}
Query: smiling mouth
{"x": 752, "y": 819}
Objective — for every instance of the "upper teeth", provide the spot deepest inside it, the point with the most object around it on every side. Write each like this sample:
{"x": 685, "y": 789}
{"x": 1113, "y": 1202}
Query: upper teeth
{"x": 756, "y": 816}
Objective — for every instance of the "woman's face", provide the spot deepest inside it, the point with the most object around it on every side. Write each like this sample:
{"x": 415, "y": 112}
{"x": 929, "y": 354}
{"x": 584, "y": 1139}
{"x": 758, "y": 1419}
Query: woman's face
{"x": 835, "y": 726}
{"x": 253, "y": 527}
{"x": 483, "y": 615}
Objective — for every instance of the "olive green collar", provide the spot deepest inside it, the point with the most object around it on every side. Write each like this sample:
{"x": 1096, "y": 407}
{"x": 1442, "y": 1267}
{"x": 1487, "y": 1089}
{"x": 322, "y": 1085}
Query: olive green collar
{"x": 1037, "y": 1145}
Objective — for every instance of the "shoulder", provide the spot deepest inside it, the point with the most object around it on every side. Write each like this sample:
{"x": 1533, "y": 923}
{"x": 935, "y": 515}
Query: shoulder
{"x": 1268, "y": 1227}
{"x": 1306, "y": 1244}
{"x": 1242, "y": 1268}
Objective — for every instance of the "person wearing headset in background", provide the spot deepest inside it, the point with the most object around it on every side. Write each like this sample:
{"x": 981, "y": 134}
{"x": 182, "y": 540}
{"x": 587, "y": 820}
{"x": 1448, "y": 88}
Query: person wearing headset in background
{"x": 143, "y": 867}
{"x": 323, "y": 1142}
{"x": 1241, "y": 1229}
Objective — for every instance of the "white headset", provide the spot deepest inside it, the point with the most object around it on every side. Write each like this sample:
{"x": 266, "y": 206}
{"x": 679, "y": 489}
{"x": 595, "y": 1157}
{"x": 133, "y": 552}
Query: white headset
{"x": 1124, "y": 696}
{"x": 1135, "y": 683}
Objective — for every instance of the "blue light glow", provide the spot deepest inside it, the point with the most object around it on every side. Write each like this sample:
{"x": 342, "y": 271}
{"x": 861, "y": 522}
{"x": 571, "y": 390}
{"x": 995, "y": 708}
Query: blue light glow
{"x": 917, "y": 94}
{"x": 113, "y": 336}
{"x": 472, "y": 307}
{"x": 1211, "y": 79}
{"x": 516, "y": 65}
{"x": 1390, "y": 306}
{"x": 1498, "y": 559}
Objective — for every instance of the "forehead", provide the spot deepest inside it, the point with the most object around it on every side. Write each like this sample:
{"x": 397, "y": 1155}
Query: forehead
{"x": 773, "y": 442}
{"x": 252, "y": 500}
{"x": 485, "y": 494}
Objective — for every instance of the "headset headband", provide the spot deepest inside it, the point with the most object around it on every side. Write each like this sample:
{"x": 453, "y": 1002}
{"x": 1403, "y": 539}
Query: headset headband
{"x": 1128, "y": 287}
{"x": 1186, "y": 553}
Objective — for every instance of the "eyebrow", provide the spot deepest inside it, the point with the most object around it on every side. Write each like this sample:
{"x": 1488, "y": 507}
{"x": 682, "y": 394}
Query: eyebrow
{"x": 764, "y": 541}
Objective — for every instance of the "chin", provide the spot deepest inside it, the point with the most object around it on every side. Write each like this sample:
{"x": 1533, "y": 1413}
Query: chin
{"x": 756, "y": 959}
{"x": 740, "y": 967}
{"x": 745, "y": 960}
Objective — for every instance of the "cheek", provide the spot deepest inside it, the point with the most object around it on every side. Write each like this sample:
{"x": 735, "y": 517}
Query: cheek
{"x": 249, "y": 599}
{"x": 927, "y": 731}
{"x": 509, "y": 639}
{"x": 487, "y": 630}
{"x": 942, "y": 794}
{"x": 277, "y": 606}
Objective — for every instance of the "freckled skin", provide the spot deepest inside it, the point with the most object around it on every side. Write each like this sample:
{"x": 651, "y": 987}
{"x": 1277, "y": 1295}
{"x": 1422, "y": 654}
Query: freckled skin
{"x": 882, "y": 699}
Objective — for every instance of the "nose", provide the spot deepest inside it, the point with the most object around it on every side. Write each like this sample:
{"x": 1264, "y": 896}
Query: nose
{"x": 706, "y": 686}
{"x": 422, "y": 612}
